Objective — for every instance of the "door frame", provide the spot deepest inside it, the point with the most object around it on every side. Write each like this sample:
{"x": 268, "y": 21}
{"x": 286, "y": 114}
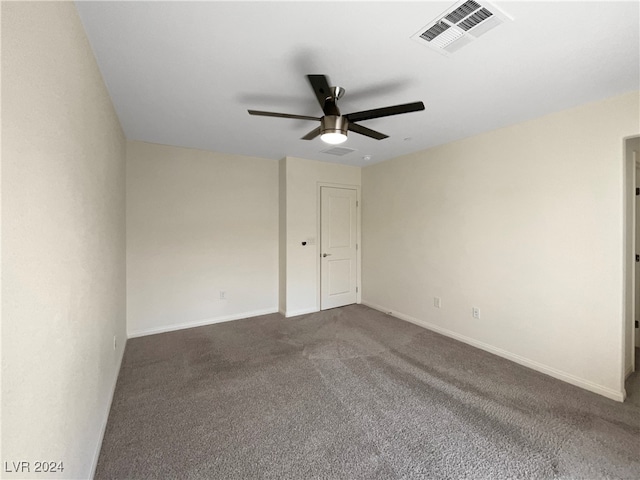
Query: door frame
{"x": 357, "y": 188}
{"x": 635, "y": 333}
{"x": 629, "y": 264}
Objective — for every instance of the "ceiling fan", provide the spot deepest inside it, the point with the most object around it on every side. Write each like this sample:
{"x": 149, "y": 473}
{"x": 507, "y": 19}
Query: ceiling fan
{"x": 334, "y": 126}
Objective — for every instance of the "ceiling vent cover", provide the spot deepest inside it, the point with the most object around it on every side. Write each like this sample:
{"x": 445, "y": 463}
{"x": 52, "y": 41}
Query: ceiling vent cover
{"x": 339, "y": 151}
{"x": 460, "y": 25}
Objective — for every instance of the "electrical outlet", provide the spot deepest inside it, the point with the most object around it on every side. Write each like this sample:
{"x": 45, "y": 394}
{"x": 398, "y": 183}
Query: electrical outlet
{"x": 437, "y": 302}
{"x": 115, "y": 342}
{"x": 475, "y": 312}
{"x": 223, "y": 295}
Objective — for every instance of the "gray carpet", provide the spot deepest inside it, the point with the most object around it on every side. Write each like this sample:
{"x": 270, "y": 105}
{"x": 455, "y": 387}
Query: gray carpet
{"x": 352, "y": 393}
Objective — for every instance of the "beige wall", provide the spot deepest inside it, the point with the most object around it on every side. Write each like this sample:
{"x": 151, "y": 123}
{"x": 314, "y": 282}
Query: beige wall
{"x": 63, "y": 244}
{"x": 199, "y": 222}
{"x": 303, "y": 178}
{"x": 526, "y": 223}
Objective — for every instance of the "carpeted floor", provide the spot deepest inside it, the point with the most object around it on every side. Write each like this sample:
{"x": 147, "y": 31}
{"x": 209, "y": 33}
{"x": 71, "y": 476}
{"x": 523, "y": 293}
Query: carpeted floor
{"x": 352, "y": 393}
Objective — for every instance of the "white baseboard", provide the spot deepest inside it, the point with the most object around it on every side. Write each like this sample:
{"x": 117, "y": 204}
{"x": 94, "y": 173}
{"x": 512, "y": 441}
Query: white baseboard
{"x": 552, "y": 372}
{"x": 103, "y": 428}
{"x": 295, "y": 313}
{"x": 200, "y": 323}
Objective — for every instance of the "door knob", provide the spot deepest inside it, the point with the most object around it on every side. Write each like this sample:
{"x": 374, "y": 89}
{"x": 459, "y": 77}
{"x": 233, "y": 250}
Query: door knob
{"x": 326, "y": 254}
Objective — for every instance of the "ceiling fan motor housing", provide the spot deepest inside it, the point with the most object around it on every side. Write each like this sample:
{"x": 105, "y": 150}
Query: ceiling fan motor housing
{"x": 334, "y": 124}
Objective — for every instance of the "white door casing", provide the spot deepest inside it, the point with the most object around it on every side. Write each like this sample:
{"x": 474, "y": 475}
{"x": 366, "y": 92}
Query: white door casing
{"x": 635, "y": 337}
{"x": 338, "y": 247}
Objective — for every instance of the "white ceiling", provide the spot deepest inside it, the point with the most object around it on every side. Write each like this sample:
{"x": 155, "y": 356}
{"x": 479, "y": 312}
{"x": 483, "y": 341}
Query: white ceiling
{"x": 185, "y": 73}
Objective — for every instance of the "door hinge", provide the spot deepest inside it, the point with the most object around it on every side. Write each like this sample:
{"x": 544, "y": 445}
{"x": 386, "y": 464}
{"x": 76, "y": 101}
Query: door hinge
{"x": 357, "y": 292}
{"x": 357, "y": 248}
{"x": 358, "y": 203}
{"x": 637, "y": 258}
{"x": 637, "y": 191}
{"x": 636, "y": 323}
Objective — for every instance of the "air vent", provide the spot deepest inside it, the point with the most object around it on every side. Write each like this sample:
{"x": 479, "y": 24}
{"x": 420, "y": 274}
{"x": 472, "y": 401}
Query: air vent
{"x": 475, "y": 19}
{"x": 434, "y": 31}
{"x": 338, "y": 151}
{"x": 461, "y": 24}
{"x": 442, "y": 41}
{"x": 462, "y": 11}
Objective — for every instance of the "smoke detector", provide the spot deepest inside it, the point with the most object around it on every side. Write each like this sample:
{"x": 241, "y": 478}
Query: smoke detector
{"x": 460, "y": 25}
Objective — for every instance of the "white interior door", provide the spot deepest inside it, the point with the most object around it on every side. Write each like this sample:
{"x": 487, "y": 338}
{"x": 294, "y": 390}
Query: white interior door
{"x": 338, "y": 248}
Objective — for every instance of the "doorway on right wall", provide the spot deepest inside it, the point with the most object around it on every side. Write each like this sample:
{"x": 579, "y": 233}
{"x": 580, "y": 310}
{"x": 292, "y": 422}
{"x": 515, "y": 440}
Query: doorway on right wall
{"x": 632, "y": 252}
{"x": 635, "y": 154}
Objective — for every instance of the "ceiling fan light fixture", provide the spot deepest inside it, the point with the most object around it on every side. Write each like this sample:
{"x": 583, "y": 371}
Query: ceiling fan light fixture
{"x": 333, "y": 129}
{"x": 333, "y": 138}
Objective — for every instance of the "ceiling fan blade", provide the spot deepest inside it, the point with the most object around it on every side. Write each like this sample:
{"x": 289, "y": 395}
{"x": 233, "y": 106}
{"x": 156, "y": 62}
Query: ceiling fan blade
{"x": 354, "y": 127}
{"x": 312, "y": 134}
{"x": 385, "y": 111}
{"x": 281, "y": 115}
{"x": 320, "y": 85}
